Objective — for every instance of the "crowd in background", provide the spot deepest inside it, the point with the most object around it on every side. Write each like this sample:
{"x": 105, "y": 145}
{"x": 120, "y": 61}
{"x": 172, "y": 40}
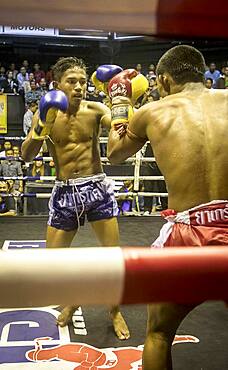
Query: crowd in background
{"x": 31, "y": 82}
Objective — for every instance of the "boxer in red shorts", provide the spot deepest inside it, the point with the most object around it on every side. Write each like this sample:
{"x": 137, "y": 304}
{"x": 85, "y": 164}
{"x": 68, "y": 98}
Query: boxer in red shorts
{"x": 188, "y": 132}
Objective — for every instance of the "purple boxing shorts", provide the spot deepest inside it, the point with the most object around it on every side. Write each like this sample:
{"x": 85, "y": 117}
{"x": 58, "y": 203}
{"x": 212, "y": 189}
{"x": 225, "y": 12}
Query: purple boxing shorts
{"x": 73, "y": 199}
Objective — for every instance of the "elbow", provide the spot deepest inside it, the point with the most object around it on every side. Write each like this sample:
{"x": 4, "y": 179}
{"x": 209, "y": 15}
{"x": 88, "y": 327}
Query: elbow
{"x": 113, "y": 160}
{"x": 113, "y": 157}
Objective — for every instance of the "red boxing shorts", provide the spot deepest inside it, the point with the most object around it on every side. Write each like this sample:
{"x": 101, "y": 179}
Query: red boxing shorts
{"x": 203, "y": 225}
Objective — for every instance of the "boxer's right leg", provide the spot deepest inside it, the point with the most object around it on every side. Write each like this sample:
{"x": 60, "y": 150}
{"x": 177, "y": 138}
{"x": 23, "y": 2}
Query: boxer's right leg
{"x": 56, "y": 238}
{"x": 61, "y": 239}
{"x": 163, "y": 321}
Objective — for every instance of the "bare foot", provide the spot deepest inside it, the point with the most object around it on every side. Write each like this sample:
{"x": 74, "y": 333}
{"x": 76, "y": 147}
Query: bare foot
{"x": 65, "y": 316}
{"x": 119, "y": 324}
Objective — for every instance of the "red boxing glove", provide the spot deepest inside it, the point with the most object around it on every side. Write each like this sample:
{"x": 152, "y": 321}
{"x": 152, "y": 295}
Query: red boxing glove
{"x": 120, "y": 85}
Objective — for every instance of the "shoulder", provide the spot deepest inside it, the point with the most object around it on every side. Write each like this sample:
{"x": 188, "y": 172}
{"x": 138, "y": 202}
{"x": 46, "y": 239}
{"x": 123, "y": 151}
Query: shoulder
{"x": 97, "y": 107}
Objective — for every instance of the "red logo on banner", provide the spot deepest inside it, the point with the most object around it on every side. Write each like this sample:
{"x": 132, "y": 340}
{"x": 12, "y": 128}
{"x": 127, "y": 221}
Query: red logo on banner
{"x": 88, "y": 357}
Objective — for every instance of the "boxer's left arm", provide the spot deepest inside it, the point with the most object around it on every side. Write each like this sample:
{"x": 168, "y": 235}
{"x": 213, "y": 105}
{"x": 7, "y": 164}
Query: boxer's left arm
{"x": 122, "y": 147}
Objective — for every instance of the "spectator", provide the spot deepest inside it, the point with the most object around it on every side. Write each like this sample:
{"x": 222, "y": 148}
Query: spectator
{"x": 152, "y": 93}
{"x": 33, "y": 95}
{"x": 52, "y": 170}
{"x": 139, "y": 68}
{"x": 125, "y": 202}
{"x": 22, "y": 78}
{"x": 16, "y": 151}
{"x": 12, "y": 68}
{"x": 9, "y": 85}
{"x": 25, "y": 64}
{"x": 12, "y": 168}
{"x": 151, "y": 72}
{"x": 37, "y": 206}
{"x": 38, "y": 169}
{"x": 208, "y": 83}
{"x": 38, "y": 73}
{"x": 43, "y": 86}
{"x": 7, "y": 205}
{"x": 28, "y": 116}
{"x": 7, "y": 145}
{"x": 2, "y": 74}
{"x": 222, "y": 82}
{"x": 49, "y": 75}
{"x": 96, "y": 95}
{"x": 212, "y": 73}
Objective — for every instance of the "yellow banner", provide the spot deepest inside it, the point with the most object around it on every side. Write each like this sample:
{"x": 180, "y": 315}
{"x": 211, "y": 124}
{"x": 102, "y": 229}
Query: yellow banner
{"x": 3, "y": 114}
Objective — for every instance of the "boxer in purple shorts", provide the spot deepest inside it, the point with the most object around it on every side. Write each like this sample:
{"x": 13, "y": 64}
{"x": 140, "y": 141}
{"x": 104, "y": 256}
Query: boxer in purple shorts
{"x": 74, "y": 199}
{"x": 71, "y": 126}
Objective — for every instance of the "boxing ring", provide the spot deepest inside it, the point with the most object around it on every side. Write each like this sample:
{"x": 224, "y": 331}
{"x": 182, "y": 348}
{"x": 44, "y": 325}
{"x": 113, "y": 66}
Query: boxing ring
{"x": 113, "y": 276}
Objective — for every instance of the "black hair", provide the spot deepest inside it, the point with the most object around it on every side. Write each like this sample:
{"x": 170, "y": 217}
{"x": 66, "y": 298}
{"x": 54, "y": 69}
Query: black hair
{"x": 184, "y": 64}
{"x": 63, "y": 64}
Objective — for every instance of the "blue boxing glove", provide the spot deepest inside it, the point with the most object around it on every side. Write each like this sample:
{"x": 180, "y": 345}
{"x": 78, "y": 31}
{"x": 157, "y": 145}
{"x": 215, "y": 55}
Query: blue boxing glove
{"x": 103, "y": 75}
{"x": 49, "y": 105}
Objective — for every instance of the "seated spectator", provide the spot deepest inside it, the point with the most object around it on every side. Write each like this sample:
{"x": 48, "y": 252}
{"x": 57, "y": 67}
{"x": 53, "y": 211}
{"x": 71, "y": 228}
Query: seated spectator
{"x": 209, "y": 83}
{"x": 28, "y": 116}
{"x": 22, "y": 78}
{"x": 7, "y": 145}
{"x": 7, "y": 205}
{"x": 12, "y": 68}
{"x": 38, "y": 206}
{"x": 34, "y": 94}
{"x": 16, "y": 151}
{"x": 139, "y": 68}
{"x": 51, "y": 168}
{"x": 2, "y": 74}
{"x": 12, "y": 168}
{"x": 125, "y": 202}
{"x": 25, "y": 64}
{"x": 38, "y": 169}
{"x": 38, "y": 73}
{"x": 15, "y": 193}
{"x": 222, "y": 82}
{"x": 49, "y": 75}
{"x": 152, "y": 93}
{"x": 212, "y": 73}
{"x": 151, "y": 72}
{"x": 43, "y": 87}
{"x": 26, "y": 84}
{"x": 96, "y": 95}
{"x": 9, "y": 85}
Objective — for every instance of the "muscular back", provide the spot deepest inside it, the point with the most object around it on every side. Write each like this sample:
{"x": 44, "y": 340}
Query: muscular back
{"x": 189, "y": 135}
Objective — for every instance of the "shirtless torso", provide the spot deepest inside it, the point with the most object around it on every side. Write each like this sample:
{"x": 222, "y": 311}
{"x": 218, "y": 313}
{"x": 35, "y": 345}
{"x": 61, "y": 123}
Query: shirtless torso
{"x": 189, "y": 136}
{"x": 74, "y": 141}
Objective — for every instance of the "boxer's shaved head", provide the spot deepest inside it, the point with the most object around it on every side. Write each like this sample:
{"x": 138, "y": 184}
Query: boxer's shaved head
{"x": 183, "y": 63}
{"x": 63, "y": 64}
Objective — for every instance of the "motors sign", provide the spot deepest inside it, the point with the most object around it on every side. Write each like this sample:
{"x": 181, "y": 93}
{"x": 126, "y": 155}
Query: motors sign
{"x": 28, "y": 31}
